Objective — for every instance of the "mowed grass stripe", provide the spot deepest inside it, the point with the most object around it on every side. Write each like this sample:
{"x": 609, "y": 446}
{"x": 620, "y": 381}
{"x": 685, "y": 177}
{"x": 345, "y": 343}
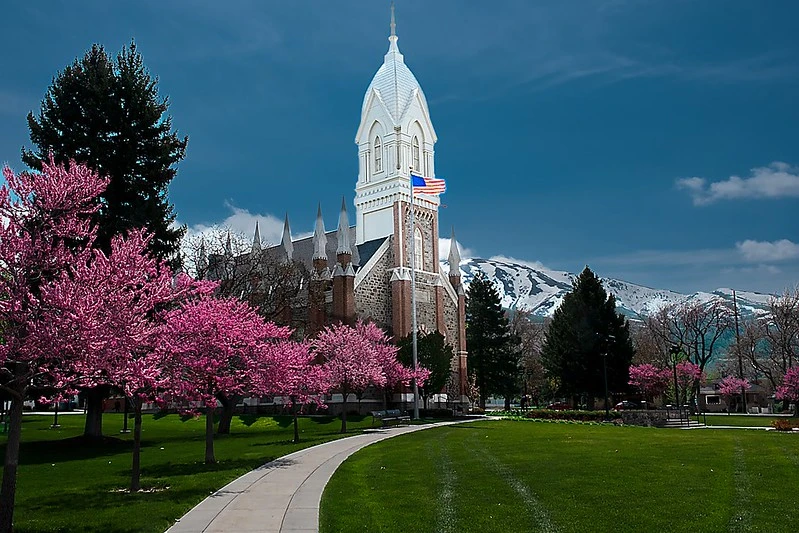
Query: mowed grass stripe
{"x": 447, "y": 479}
{"x": 592, "y": 478}
{"x": 741, "y": 520}
{"x": 541, "y": 519}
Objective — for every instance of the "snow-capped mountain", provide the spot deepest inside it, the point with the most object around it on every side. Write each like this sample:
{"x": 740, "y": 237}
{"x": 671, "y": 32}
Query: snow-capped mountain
{"x": 541, "y": 291}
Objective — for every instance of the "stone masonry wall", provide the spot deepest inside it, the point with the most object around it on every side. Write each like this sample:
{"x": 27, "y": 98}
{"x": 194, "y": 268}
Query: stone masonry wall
{"x": 373, "y": 295}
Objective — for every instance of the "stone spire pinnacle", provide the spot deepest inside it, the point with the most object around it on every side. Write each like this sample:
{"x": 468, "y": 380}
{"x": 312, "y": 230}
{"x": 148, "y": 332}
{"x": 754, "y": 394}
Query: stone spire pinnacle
{"x": 343, "y": 234}
{"x": 202, "y": 260}
{"x": 256, "y": 241}
{"x": 228, "y": 246}
{"x": 454, "y": 256}
{"x": 286, "y": 243}
{"x": 319, "y": 237}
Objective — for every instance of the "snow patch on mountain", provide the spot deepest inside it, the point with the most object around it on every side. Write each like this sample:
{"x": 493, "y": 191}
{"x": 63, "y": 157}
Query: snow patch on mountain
{"x": 522, "y": 285}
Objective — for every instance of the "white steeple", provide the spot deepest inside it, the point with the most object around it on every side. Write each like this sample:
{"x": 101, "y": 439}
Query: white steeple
{"x": 256, "y": 242}
{"x": 343, "y": 233}
{"x": 286, "y": 243}
{"x": 454, "y": 256}
{"x": 319, "y": 237}
{"x": 395, "y": 135}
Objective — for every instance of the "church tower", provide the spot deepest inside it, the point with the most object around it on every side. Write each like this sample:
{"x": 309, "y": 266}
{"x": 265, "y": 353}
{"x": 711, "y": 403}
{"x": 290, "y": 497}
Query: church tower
{"x": 395, "y": 135}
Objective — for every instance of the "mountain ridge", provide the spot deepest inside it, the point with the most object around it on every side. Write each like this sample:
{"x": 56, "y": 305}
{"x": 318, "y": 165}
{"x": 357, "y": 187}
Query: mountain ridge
{"x": 541, "y": 291}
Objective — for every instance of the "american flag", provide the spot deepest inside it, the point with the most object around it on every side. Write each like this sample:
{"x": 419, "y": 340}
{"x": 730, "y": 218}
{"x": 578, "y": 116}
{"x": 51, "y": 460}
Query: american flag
{"x": 422, "y": 185}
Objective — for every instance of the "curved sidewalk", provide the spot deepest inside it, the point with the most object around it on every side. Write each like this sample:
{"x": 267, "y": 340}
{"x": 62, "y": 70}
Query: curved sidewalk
{"x": 283, "y": 495}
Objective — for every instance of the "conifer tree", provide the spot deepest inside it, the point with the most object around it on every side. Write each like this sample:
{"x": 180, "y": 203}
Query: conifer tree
{"x": 586, "y": 336}
{"x": 434, "y": 354}
{"x": 493, "y": 357}
{"x": 107, "y": 114}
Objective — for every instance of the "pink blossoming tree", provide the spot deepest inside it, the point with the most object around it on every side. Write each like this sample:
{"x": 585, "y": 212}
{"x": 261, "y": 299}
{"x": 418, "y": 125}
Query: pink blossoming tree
{"x": 650, "y": 380}
{"x": 212, "y": 346}
{"x": 356, "y": 358}
{"x": 789, "y": 390}
{"x": 288, "y": 369}
{"x": 104, "y": 315}
{"x": 731, "y": 387}
{"x": 45, "y": 230}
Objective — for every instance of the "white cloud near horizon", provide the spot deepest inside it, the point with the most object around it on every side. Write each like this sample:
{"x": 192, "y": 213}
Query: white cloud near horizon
{"x": 532, "y": 264}
{"x": 242, "y": 223}
{"x": 777, "y": 180}
{"x": 766, "y": 252}
{"x": 444, "y": 245}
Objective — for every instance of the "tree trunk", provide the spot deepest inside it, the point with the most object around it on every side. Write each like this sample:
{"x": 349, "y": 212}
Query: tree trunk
{"x": 344, "y": 413}
{"x": 135, "y": 475}
{"x": 94, "y": 411}
{"x": 296, "y": 427}
{"x": 226, "y": 418}
{"x": 507, "y": 403}
{"x": 9, "y": 487}
{"x": 209, "y": 436}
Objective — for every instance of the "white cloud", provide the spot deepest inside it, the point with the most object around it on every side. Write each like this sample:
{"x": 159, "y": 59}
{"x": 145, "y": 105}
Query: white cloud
{"x": 777, "y": 180}
{"x": 242, "y": 222}
{"x": 532, "y": 264}
{"x": 444, "y": 246}
{"x": 765, "y": 251}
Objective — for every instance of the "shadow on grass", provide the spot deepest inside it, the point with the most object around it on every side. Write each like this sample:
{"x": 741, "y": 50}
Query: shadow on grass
{"x": 168, "y": 470}
{"x": 102, "y": 501}
{"x": 249, "y": 420}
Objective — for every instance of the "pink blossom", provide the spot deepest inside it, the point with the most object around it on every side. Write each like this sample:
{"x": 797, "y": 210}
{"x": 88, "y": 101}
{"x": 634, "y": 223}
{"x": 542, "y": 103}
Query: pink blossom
{"x": 789, "y": 390}
{"x": 649, "y": 379}
{"x": 731, "y": 386}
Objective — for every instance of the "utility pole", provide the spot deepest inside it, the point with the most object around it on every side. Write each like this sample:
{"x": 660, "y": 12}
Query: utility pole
{"x": 738, "y": 348}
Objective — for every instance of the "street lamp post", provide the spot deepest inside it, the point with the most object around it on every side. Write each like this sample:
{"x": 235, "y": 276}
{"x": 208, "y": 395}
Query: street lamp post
{"x": 674, "y": 351}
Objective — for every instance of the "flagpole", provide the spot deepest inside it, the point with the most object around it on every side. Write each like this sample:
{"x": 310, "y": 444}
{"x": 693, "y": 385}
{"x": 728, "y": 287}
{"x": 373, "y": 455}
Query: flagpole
{"x": 413, "y": 306}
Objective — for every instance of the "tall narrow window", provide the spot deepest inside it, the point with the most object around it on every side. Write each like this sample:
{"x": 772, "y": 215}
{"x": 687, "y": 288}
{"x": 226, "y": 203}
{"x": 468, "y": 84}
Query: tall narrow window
{"x": 418, "y": 252}
{"x": 378, "y": 155}
{"x": 415, "y": 149}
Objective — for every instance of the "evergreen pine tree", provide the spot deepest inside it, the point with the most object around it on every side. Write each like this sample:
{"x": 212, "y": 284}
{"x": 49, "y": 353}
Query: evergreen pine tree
{"x": 493, "y": 357}
{"x": 586, "y": 336}
{"x": 107, "y": 114}
{"x": 432, "y": 353}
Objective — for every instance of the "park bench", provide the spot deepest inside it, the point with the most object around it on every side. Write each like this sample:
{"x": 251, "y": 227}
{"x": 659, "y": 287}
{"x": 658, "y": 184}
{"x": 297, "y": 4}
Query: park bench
{"x": 391, "y": 416}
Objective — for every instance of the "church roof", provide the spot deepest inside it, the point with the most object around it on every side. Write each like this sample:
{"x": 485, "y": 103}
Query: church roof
{"x": 394, "y": 83}
{"x": 304, "y": 249}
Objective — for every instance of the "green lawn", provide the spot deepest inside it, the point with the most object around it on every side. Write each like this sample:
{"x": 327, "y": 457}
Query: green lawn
{"x": 65, "y": 485}
{"x": 520, "y": 476}
{"x": 738, "y": 420}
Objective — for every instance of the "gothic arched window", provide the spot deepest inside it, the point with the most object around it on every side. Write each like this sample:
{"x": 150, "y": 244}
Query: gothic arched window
{"x": 378, "y": 155}
{"x": 415, "y": 154}
{"x": 418, "y": 251}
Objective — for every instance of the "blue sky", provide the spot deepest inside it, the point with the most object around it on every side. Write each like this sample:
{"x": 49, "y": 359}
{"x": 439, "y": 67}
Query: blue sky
{"x": 655, "y": 141}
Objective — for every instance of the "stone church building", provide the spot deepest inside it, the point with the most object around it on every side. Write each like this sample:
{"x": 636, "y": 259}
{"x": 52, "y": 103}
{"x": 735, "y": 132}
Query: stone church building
{"x": 363, "y": 271}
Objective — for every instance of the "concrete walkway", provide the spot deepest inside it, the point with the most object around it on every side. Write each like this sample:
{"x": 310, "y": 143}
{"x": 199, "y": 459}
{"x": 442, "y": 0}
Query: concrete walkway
{"x": 284, "y": 495}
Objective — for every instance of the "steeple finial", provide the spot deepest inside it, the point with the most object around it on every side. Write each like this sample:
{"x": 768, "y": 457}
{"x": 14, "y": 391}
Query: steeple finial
{"x": 319, "y": 237}
{"x": 393, "y": 37}
{"x": 343, "y": 234}
{"x": 393, "y": 21}
{"x": 286, "y": 243}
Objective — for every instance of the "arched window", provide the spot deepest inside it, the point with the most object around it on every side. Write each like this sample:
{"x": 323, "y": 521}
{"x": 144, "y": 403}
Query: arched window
{"x": 378, "y": 155}
{"x": 415, "y": 152}
{"x": 418, "y": 251}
